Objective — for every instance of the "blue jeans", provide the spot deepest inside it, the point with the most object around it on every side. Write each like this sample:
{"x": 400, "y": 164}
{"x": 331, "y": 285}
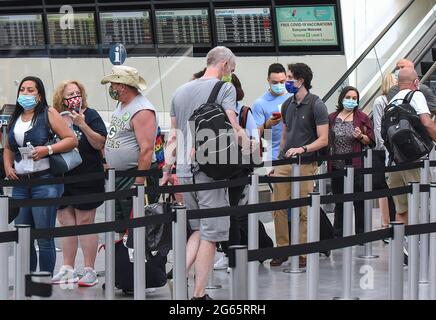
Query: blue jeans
{"x": 39, "y": 217}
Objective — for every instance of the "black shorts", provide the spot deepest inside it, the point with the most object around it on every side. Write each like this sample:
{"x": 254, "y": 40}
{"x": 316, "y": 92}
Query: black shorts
{"x": 77, "y": 190}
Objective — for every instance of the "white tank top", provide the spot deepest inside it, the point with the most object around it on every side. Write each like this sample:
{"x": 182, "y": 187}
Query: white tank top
{"x": 20, "y": 129}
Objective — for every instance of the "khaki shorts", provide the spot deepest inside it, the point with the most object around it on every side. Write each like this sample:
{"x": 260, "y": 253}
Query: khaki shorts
{"x": 402, "y": 179}
{"x": 211, "y": 229}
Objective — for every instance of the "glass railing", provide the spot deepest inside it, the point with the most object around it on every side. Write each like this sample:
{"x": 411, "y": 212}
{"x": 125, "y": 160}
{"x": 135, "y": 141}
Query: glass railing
{"x": 397, "y": 39}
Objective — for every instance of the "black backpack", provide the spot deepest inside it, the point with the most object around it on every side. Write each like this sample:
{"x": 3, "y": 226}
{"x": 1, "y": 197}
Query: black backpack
{"x": 405, "y": 137}
{"x": 219, "y": 157}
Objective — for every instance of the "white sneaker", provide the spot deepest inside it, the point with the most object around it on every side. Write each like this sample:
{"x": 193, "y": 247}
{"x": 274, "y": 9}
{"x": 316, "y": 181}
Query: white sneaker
{"x": 89, "y": 278}
{"x": 65, "y": 275}
{"x": 221, "y": 264}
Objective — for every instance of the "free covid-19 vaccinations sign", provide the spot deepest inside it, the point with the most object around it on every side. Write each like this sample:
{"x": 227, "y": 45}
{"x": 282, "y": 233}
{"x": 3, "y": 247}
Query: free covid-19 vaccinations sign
{"x": 307, "y": 26}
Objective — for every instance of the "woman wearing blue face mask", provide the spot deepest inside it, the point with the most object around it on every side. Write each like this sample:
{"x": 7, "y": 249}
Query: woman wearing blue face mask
{"x": 31, "y": 126}
{"x": 350, "y": 131}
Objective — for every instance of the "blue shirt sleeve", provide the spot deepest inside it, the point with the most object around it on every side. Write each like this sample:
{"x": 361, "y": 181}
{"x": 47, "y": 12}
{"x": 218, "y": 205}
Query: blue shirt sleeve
{"x": 258, "y": 114}
{"x": 251, "y": 127}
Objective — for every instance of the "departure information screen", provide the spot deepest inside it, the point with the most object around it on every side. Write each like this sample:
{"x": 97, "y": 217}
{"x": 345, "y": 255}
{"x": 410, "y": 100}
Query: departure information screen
{"x": 128, "y": 28}
{"x": 307, "y": 26}
{"x": 244, "y": 26}
{"x": 183, "y": 27}
{"x": 22, "y": 31}
{"x": 77, "y": 30}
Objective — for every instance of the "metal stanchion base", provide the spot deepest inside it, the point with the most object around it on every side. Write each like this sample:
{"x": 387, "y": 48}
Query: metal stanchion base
{"x": 340, "y": 298}
{"x": 369, "y": 257}
{"x": 294, "y": 271}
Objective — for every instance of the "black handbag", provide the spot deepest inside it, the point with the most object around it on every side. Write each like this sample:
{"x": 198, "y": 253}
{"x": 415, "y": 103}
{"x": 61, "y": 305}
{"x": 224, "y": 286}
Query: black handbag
{"x": 158, "y": 236}
{"x": 61, "y": 163}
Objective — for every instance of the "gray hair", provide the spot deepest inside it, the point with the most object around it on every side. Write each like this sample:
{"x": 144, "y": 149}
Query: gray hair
{"x": 220, "y": 54}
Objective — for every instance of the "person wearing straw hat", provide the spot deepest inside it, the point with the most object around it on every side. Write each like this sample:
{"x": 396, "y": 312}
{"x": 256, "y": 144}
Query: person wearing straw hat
{"x": 132, "y": 132}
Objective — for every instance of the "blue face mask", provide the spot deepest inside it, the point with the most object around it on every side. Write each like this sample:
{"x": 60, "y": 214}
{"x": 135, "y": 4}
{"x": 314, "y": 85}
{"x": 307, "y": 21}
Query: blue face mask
{"x": 396, "y": 73}
{"x": 27, "y": 101}
{"x": 278, "y": 88}
{"x": 290, "y": 87}
{"x": 349, "y": 104}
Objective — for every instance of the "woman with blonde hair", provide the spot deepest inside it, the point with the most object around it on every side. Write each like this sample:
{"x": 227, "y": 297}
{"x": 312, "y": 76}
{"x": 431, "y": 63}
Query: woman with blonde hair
{"x": 387, "y": 206}
{"x": 70, "y": 99}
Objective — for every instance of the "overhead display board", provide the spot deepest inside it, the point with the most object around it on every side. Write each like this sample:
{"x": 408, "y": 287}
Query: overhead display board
{"x": 80, "y": 33}
{"x": 128, "y": 28}
{"x": 184, "y": 26}
{"x": 244, "y": 27}
{"x": 21, "y": 31}
{"x": 307, "y": 26}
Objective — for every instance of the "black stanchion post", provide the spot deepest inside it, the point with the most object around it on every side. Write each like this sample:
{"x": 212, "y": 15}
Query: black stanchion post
{"x": 433, "y": 243}
{"x": 424, "y": 218}
{"x": 347, "y": 231}
{"x": 42, "y": 278}
{"x": 22, "y": 260}
{"x": 139, "y": 246}
{"x": 179, "y": 253}
{"x": 253, "y": 238}
{"x": 4, "y": 254}
{"x": 295, "y": 220}
{"x": 238, "y": 262}
{"x": 396, "y": 262}
{"x": 313, "y": 258}
{"x": 368, "y": 205}
{"x": 110, "y": 239}
{"x": 413, "y": 261}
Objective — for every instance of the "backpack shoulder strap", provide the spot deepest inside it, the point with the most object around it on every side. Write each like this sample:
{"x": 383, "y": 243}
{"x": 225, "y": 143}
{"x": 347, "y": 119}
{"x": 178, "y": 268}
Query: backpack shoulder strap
{"x": 284, "y": 107}
{"x": 409, "y": 96}
{"x": 312, "y": 100}
{"x": 214, "y": 94}
{"x": 243, "y": 116}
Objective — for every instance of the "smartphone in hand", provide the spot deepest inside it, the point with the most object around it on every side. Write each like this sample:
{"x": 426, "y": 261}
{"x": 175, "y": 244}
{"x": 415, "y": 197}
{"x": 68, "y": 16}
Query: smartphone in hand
{"x": 277, "y": 115}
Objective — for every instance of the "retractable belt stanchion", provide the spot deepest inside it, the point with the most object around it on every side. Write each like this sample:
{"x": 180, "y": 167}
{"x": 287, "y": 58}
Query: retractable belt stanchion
{"x": 424, "y": 218}
{"x": 253, "y": 238}
{"x": 22, "y": 260}
{"x": 238, "y": 262}
{"x": 139, "y": 246}
{"x": 295, "y": 219}
{"x": 413, "y": 248}
{"x": 396, "y": 262}
{"x": 367, "y": 180}
{"x": 179, "y": 253}
{"x": 39, "y": 278}
{"x": 109, "y": 239}
{"x": 347, "y": 231}
{"x": 433, "y": 243}
{"x": 4, "y": 254}
{"x": 323, "y": 182}
{"x": 313, "y": 258}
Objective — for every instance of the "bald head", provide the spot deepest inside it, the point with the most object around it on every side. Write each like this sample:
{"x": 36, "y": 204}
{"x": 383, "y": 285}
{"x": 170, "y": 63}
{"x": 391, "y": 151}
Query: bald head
{"x": 408, "y": 79}
{"x": 404, "y": 63}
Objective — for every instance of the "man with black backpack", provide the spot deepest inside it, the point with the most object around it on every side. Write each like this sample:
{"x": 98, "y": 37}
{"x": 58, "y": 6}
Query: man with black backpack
{"x": 209, "y": 105}
{"x": 407, "y": 130}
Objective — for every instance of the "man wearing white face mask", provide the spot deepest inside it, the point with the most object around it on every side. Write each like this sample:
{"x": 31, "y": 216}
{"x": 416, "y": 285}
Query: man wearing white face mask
{"x": 266, "y": 109}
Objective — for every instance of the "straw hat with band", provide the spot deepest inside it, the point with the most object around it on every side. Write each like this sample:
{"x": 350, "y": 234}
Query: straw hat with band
{"x": 125, "y": 75}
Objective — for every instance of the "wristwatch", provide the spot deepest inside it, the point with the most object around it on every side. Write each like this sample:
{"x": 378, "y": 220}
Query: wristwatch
{"x": 304, "y": 148}
{"x": 50, "y": 150}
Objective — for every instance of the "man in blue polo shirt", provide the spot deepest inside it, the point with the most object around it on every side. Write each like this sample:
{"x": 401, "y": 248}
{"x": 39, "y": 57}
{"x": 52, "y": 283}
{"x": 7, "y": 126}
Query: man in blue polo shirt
{"x": 266, "y": 109}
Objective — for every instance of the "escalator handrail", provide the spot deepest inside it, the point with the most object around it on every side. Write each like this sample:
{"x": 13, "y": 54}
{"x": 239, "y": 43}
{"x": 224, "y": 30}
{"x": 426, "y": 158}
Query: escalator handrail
{"x": 367, "y": 51}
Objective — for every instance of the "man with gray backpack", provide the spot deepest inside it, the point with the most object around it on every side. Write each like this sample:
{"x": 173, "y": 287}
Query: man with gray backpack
{"x": 407, "y": 130}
